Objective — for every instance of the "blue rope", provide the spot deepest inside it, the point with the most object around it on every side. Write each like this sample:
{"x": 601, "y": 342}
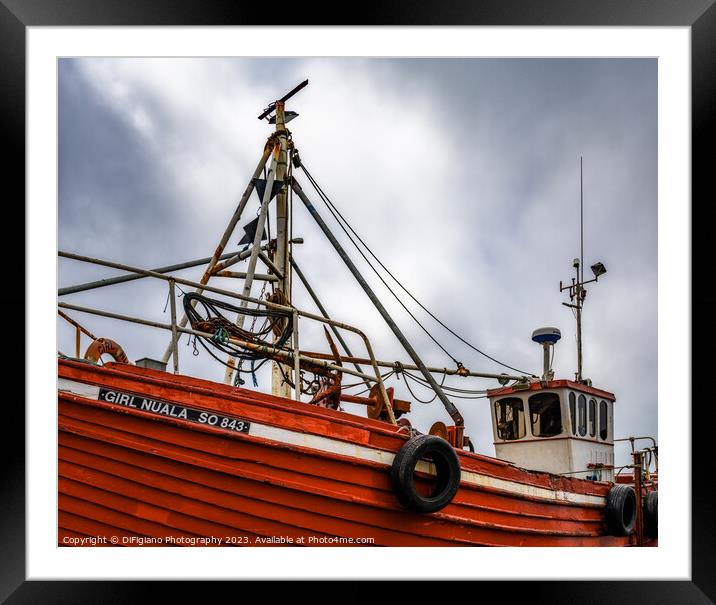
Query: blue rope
{"x": 221, "y": 335}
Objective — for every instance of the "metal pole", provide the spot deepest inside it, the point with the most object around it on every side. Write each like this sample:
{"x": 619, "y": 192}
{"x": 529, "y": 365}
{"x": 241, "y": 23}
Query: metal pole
{"x": 175, "y": 336}
{"x": 394, "y": 365}
{"x": 254, "y": 252}
{"x": 180, "y": 280}
{"x": 242, "y": 275}
{"x": 322, "y": 309}
{"x": 296, "y": 360}
{"x": 580, "y": 278}
{"x": 637, "y": 488}
{"x": 82, "y": 328}
{"x": 131, "y": 277}
{"x": 278, "y": 386}
{"x": 451, "y": 409}
{"x": 232, "y": 260}
{"x": 381, "y": 384}
{"x": 227, "y": 234}
{"x": 579, "y": 333}
{"x": 270, "y": 265}
{"x": 580, "y": 273}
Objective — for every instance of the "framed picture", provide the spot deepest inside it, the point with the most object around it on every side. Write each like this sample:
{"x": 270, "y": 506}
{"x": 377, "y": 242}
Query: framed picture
{"x": 102, "y": 104}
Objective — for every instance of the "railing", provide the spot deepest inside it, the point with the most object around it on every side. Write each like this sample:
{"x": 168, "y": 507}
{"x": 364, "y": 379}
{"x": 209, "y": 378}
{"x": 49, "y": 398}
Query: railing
{"x": 649, "y": 453}
{"x": 79, "y": 330}
{"x": 292, "y": 355}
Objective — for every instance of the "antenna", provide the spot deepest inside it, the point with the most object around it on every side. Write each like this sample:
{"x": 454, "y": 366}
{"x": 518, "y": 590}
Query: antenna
{"x": 577, "y": 292}
{"x": 581, "y": 218}
{"x": 283, "y": 99}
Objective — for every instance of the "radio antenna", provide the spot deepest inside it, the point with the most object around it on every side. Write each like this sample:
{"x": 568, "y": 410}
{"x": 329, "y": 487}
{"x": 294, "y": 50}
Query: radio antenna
{"x": 577, "y": 292}
{"x": 581, "y": 219}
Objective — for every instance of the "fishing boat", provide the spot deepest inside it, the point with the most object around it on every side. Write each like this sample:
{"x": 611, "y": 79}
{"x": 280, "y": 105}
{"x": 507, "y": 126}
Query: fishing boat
{"x": 149, "y": 456}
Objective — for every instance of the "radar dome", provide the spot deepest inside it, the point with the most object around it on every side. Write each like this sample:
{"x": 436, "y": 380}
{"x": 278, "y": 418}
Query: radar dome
{"x": 550, "y": 335}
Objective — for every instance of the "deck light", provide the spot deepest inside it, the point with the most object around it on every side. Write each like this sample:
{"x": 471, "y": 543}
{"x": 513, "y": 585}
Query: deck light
{"x": 598, "y": 269}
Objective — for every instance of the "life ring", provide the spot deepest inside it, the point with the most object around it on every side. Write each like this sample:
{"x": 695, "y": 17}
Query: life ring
{"x": 447, "y": 465}
{"x": 621, "y": 510}
{"x": 651, "y": 514}
{"x": 100, "y": 346}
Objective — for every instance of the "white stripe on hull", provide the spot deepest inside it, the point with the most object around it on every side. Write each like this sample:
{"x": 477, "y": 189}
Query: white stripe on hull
{"x": 343, "y": 448}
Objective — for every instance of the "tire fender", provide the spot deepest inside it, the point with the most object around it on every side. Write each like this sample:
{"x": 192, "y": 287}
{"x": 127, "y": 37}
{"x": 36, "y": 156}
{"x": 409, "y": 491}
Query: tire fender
{"x": 651, "y": 514}
{"x": 621, "y": 510}
{"x": 446, "y": 463}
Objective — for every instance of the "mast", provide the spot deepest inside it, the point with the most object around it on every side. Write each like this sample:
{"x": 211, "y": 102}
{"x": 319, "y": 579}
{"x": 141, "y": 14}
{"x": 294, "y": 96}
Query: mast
{"x": 277, "y": 172}
{"x": 580, "y": 273}
{"x": 279, "y": 386}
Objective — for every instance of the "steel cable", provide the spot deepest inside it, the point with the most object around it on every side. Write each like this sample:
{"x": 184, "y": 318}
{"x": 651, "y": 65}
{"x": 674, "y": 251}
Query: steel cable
{"x": 335, "y": 212}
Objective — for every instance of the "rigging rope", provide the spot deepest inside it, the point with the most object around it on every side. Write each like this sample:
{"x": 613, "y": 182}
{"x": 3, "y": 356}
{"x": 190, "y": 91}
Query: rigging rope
{"x": 335, "y": 212}
{"x": 414, "y": 396}
{"x": 454, "y": 392}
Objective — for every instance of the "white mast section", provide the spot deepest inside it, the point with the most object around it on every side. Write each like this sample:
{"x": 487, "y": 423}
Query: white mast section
{"x": 251, "y": 270}
{"x": 279, "y": 386}
{"x": 224, "y": 239}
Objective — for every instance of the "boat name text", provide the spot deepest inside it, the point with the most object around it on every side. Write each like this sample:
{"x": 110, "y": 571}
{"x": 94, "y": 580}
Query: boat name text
{"x": 173, "y": 410}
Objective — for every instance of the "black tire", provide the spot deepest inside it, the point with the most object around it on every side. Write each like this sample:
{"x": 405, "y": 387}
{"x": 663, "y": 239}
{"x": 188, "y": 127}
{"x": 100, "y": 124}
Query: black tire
{"x": 402, "y": 473}
{"x": 621, "y": 510}
{"x": 651, "y": 514}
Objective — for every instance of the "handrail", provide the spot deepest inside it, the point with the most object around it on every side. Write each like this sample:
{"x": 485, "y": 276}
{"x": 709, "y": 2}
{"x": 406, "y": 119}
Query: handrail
{"x": 243, "y": 343}
{"x": 654, "y": 449}
{"x": 79, "y": 330}
{"x": 252, "y": 346}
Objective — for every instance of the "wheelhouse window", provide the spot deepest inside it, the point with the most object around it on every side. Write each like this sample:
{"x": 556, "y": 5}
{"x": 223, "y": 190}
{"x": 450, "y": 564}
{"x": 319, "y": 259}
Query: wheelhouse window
{"x": 603, "y": 420}
{"x": 582, "y": 415}
{"x": 592, "y": 417}
{"x": 510, "y": 418}
{"x": 545, "y": 415}
{"x": 573, "y": 413}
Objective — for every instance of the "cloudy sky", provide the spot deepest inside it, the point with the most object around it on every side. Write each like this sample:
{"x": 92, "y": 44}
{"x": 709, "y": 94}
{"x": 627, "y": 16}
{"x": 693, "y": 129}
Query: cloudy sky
{"x": 461, "y": 174}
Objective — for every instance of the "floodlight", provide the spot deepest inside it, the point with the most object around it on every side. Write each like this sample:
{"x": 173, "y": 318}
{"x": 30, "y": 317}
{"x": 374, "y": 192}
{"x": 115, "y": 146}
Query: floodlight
{"x": 598, "y": 269}
{"x": 288, "y": 116}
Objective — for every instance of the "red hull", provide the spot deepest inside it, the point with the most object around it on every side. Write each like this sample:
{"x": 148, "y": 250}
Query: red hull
{"x": 301, "y": 475}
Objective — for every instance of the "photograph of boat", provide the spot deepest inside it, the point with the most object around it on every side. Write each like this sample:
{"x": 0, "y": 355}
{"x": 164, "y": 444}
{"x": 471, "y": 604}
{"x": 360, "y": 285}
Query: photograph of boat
{"x": 351, "y": 395}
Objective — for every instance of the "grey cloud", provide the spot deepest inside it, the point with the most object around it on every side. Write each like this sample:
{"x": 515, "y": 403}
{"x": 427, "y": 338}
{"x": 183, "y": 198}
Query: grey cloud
{"x": 462, "y": 174}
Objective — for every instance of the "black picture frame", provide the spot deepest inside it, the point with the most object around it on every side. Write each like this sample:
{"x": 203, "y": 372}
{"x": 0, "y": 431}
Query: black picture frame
{"x": 699, "y": 15}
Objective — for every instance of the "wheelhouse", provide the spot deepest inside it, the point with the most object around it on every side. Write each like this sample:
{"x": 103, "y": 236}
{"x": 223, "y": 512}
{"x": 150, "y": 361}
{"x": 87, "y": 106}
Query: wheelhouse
{"x": 559, "y": 426}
